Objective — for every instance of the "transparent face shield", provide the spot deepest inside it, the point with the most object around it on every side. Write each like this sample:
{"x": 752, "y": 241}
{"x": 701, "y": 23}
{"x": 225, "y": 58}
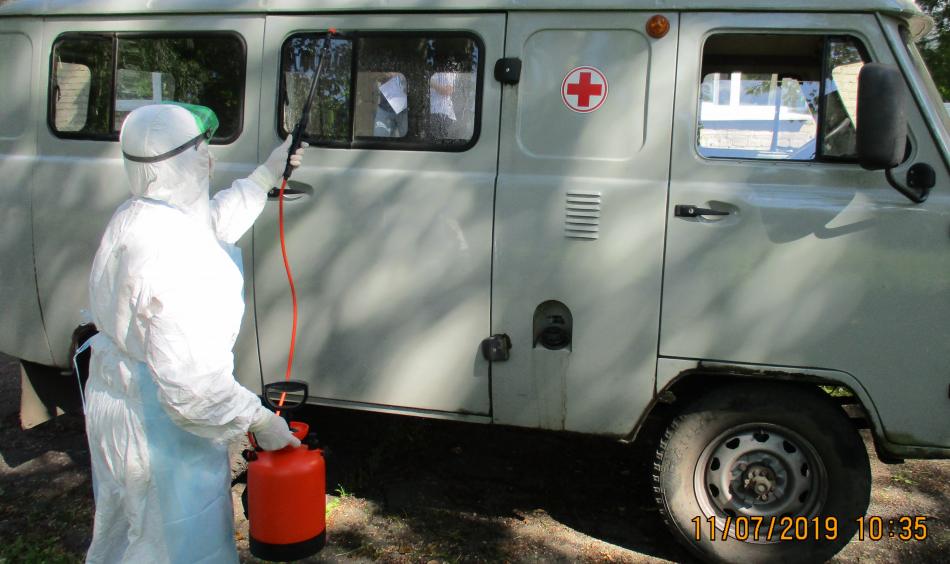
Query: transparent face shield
{"x": 207, "y": 123}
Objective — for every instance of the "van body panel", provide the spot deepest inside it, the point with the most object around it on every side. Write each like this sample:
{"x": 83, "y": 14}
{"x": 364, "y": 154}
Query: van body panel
{"x": 79, "y": 183}
{"x": 579, "y": 220}
{"x": 821, "y": 264}
{"x": 391, "y": 254}
{"x": 22, "y": 333}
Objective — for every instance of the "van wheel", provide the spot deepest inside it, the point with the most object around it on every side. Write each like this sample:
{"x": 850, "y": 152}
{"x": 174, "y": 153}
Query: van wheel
{"x": 780, "y": 452}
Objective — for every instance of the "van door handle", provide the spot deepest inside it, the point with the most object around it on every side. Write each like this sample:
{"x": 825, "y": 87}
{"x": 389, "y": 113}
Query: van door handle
{"x": 294, "y": 189}
{"x": 687, "y": 210}
{"x": 275, "y": 193}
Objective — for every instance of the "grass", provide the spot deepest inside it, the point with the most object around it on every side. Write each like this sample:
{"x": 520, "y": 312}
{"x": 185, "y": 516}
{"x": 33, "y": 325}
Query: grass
{"x": 41, "y": 525}
{"x": 27, "y": 550}
{"x": 341, "y": 494}
{"x": 901, "y": 478}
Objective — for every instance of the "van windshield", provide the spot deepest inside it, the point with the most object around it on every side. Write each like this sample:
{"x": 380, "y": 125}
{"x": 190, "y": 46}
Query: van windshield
{"x": 935, "y": 99}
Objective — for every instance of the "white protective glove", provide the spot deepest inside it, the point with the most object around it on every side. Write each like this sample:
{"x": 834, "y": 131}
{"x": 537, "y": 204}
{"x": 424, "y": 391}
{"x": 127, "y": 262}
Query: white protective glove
{"x": 269, "y": 173}
{"x": 271, "y": 431}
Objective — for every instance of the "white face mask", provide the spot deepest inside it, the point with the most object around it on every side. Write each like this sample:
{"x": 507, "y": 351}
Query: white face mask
{"x": 205, "y": 151}
{"x": 211, "y": 161}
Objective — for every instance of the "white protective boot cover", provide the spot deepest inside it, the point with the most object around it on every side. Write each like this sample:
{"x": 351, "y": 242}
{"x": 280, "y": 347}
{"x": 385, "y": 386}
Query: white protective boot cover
{"x": 166, "y": 294}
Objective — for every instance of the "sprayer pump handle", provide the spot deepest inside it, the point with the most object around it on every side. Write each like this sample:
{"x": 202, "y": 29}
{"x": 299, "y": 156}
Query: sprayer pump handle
{"x": 297, "y": 136}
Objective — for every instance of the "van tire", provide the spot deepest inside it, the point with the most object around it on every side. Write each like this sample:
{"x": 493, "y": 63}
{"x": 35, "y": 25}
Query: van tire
{"x": 700, "y": 447}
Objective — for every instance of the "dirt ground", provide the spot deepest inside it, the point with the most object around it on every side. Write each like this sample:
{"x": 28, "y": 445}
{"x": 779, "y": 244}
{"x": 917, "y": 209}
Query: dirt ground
{"x": 413, "y": 490}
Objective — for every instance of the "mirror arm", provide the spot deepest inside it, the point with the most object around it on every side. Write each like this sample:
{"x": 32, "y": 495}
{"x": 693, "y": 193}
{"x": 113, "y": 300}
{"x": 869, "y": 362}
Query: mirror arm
{"x": 916, "y": 195}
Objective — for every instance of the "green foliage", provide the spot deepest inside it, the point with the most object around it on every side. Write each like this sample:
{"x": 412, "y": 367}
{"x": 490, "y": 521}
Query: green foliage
{"x": 837, "y": 391}
{"x": 935, "y": 48}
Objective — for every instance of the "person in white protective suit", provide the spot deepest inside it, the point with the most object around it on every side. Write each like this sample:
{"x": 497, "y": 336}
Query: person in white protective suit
{"x": 166, "y": 293}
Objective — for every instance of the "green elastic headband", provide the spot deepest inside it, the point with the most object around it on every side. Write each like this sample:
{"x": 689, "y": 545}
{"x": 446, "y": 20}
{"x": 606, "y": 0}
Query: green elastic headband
{"x": 207, "y": 123}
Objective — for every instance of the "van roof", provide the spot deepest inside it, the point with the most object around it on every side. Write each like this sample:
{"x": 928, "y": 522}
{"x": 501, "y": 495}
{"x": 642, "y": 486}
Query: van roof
{"x": 75, "y": 7}
{"x": 906, "y": 9}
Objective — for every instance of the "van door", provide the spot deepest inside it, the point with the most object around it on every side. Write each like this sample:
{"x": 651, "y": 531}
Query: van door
{"x": 22, "y": 332}
{"x": 818, "y": 263}
{"x": 390, "y": 236}
{"x": 579, "y": 222}
{"x": 80, "y": 179}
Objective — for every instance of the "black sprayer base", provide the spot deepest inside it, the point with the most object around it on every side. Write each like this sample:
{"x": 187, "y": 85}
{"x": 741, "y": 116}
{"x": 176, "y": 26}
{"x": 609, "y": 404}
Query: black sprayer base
{"x": 288, "y": 552}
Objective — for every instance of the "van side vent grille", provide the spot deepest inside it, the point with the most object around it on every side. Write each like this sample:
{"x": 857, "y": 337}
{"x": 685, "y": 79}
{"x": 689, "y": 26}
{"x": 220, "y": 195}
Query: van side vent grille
{"x": 582, "y": 216}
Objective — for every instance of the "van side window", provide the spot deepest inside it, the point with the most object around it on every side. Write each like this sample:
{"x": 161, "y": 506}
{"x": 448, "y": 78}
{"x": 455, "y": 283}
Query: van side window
{"x": 385, "y": 90}
{"x": 205, "y": 70}
{"x": 81, "y": 85}
{"x": 92, "y": 92}
{"x": 780, "y": 97}
{"x": 417, "y": 89}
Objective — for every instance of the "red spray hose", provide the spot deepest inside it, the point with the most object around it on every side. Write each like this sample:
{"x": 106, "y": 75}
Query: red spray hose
{"x": 297, "y": 135}
{"x": 293, "y": 289}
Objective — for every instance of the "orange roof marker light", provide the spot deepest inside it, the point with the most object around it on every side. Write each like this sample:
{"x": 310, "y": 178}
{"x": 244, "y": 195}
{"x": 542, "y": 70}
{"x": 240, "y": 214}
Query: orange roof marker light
{"x": 658, "y": 27}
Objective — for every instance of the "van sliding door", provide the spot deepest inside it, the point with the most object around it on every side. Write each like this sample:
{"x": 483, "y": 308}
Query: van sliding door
{"x": 390, "y": 233}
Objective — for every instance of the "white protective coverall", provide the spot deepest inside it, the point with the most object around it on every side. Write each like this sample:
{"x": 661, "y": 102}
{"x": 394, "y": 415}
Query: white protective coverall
{"x": 166, "y": 294}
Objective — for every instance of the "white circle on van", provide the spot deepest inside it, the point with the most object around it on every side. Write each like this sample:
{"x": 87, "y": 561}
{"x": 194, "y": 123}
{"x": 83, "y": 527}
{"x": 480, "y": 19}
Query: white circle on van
{"x": 584, "y": 89}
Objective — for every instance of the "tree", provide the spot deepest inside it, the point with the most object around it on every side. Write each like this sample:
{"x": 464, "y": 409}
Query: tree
{"x": 935, "y": 47}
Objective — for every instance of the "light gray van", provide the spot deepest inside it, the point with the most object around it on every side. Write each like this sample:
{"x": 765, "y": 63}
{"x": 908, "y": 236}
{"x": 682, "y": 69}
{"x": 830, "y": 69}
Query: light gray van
{"x": 542, "y": 213}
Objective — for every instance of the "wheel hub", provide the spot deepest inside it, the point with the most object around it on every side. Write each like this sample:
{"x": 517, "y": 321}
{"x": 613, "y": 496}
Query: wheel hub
{"x": 759, "y": 480}
{"x": 759, "y": 470}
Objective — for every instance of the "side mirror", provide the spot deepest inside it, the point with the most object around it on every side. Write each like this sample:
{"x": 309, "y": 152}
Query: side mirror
{"x": 882, "y": 117}
{"x": 882, "y": 130}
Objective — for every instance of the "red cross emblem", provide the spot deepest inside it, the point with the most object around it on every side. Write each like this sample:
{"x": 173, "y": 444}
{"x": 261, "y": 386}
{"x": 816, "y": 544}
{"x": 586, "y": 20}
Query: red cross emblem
{"x": 584, "y": 89}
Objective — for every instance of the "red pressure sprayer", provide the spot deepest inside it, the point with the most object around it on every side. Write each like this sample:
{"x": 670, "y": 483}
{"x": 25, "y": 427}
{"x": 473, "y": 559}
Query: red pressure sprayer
{"x": 286, "y": 501}
{"x": 286, "y": 489}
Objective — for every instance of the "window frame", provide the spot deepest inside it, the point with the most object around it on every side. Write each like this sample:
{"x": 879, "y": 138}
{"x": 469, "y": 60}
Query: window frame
{"x": 115, "y": 36}
{"x": 827, "y": 38}
{"x": 386, "y": 143}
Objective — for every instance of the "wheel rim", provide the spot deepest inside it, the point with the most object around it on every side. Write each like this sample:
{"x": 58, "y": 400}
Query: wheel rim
{"x": 759, "y": 470}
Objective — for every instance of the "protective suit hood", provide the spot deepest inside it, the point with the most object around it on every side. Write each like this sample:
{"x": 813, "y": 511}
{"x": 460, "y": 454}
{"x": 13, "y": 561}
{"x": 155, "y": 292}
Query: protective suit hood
{"x": 181, "y": 181}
